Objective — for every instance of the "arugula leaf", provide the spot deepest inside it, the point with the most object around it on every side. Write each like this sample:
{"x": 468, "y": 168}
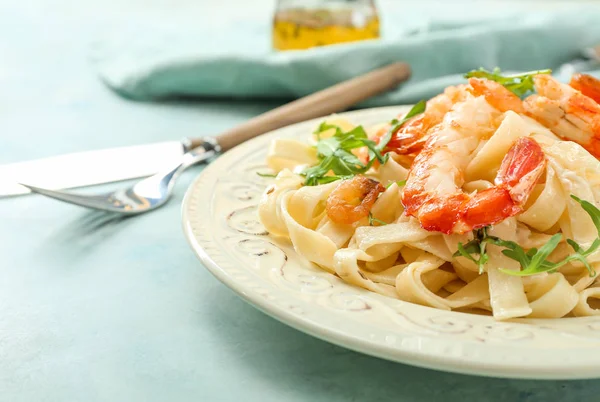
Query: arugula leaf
{"x": 400, "y": 183}
{"x": 519, "y": 255}
{"x": 418, "y": 108}
{"x": 336, "y": 160}
{"x": 324, "y": 126}
{"x": 266, "y": 174}
{"x": 318, "y": 174}
{"x": 483, "y": 257}
{"x": 535, "y": 261}
{"x": 373, "y": 220}
{"x": 328, "y": 146}
{"x": 357, "y": 132}
{"x": 519, "y": 84}
{"x": 592, "y": 211}
{"x": 375, "y": 153}
{"x": 540, "y": 256}
{"x": 467, "y": 250}
{"x": 475, "y": 246}
{"x": 532, "y": 261}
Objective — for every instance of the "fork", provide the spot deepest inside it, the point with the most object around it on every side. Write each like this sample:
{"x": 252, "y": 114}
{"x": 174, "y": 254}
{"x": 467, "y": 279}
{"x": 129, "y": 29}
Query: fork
{"x": 146, "y": 194}
{"x": 154, "y": 191}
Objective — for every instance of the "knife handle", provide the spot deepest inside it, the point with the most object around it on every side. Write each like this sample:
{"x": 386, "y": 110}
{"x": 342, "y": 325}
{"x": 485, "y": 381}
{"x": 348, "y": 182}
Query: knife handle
{"x": 330, "y": 100}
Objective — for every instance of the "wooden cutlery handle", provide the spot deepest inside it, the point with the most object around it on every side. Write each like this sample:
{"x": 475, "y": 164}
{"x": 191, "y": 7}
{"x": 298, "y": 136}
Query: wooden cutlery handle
{"x": 330, "y": 100}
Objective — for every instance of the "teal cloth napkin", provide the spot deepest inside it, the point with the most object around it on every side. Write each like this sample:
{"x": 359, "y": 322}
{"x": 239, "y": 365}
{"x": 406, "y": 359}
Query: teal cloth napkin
{"x": 183, "y": 62}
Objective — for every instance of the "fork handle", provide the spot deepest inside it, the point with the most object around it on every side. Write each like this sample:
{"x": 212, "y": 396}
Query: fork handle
{"x": 330, "y": 100}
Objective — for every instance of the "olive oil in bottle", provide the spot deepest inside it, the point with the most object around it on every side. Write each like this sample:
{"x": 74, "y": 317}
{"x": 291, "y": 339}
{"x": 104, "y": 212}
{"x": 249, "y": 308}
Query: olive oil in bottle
{"x": 302, "y": 24}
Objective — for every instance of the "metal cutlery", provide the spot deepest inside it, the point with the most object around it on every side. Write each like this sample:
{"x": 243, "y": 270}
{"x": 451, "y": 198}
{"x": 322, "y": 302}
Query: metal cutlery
{"x": 154, "y": 191}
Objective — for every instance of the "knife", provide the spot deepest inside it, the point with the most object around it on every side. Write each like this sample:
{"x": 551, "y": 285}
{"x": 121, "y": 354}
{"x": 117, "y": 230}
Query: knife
{"x": 116, "y": 164}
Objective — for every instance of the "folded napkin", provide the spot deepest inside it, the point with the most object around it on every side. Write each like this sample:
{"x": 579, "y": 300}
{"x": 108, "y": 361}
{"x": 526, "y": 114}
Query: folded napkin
{"x": 184, "y": 62}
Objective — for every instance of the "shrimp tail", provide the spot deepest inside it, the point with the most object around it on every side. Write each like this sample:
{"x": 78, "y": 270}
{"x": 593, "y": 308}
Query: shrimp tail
{"x": 441, "y": 214}
{"x": 496, "y": 95}
{"x": 521, "y": 168}
{"x": 489, "y": 207}
{"x": 458, "y": 212}
{"x": 411, "y": 137}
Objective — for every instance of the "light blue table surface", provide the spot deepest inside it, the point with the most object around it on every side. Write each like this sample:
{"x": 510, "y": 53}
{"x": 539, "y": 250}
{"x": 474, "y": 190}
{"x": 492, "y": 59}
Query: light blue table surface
{"x": 94, "y": 308}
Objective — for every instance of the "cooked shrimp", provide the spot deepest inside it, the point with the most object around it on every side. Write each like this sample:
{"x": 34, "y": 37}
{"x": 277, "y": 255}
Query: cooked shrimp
{"x": 353, "y": 199}
{"x": 411, "y": 137}
{"x": 567, "y": 112}
{"x": 433, "y": 191}
{"x": 587, "y": 85}
{"x": 496, "y": 95}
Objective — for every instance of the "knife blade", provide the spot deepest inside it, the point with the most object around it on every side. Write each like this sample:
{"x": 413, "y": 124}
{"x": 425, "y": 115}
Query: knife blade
{"x": 90, "y": 167}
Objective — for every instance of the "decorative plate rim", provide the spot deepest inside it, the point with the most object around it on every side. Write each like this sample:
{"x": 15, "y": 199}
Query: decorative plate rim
{"x": 485, "y": 347}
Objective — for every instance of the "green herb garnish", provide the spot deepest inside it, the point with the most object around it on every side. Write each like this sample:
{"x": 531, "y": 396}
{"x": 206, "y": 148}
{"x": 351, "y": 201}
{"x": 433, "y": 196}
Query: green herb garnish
{"x": 533, "y": 261}
{"x": 373, "y": 220}
{"x": 266, "y": 174}
{"x": 519, "y": 84}
{"x": 475, "y": 246}
{"x": 335, "y": 156}
{"x": 400, "y": 183}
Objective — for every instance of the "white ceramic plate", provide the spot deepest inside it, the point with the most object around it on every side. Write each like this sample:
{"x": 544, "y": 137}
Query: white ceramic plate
{"x": 220, "y": 222}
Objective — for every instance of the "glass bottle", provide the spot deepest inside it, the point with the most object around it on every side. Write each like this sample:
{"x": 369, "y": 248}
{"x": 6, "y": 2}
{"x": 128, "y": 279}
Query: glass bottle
{"x": 302, "y": 24}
